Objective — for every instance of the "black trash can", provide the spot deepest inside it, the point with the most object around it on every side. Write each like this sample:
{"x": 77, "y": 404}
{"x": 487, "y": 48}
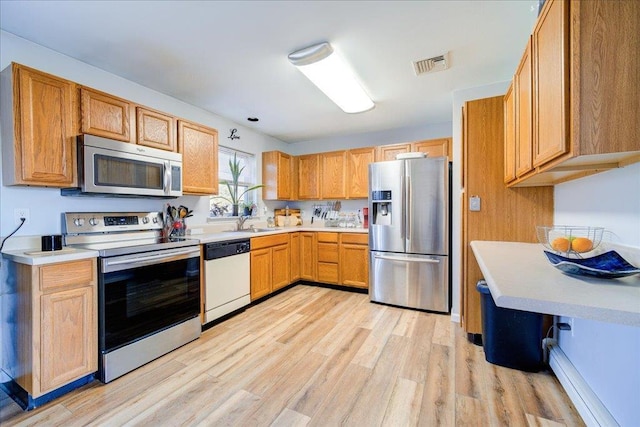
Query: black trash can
{"x": 510, "y": 338}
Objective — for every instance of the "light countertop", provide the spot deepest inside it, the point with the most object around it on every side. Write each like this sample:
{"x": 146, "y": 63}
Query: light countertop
{"x": 36, "y": 257}
{"x": 521, "y": 277}
{"x": 232, "y": 235}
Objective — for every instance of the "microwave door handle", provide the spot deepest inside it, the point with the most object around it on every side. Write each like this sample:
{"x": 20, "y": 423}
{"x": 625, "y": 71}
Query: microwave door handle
{"x": 167, "y": 177}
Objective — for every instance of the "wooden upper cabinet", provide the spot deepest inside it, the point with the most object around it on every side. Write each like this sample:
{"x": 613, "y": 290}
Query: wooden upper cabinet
{"x": 509, "y": 135}
{"x": 156, "y": 129}
{"x": 333, "y": 175}
{"x": 524, "y": 112}
{"x": 309, "y": 176}
{"x": 551, "y": 81}
{"x": 277, "y": 175}
{"x": 389, "y": 152}
{"x": 434, "y": 147}
{"x": 199, "y": 148}
{"x": 39, "y": 112}
{"x": 358, "y": 161}
{"x": 106, "y": 115}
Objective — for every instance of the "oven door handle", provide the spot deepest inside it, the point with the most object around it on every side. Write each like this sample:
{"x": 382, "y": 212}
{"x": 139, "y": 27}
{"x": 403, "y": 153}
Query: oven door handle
{"x": 110, "y": 265}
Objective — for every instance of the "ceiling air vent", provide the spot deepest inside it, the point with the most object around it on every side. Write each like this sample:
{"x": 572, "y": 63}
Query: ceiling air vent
{"x": 431, "y": 65}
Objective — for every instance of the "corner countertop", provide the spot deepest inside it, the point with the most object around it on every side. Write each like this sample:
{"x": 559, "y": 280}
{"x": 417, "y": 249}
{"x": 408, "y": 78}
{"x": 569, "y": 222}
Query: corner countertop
{"x": 36, "y": 257}
{"x": 520, "y": 277}
{"x": 232, "y": 235}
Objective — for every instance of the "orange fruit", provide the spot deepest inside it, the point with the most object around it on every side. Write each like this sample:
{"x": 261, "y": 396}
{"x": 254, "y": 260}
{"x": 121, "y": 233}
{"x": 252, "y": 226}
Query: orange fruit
{"x": 560, "y": 244}
{"x": 581, "y": 244}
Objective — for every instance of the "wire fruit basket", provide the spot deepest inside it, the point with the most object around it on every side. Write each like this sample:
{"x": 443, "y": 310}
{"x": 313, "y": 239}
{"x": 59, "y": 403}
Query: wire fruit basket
{"x": 570, "y": 241}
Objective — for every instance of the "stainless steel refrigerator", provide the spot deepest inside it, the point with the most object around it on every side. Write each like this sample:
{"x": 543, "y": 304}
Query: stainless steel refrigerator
{"x": 409, "y": 233}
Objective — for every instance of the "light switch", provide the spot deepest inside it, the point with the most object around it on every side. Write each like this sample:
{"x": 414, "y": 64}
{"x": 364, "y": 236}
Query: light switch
{"x": 474, "y": 203}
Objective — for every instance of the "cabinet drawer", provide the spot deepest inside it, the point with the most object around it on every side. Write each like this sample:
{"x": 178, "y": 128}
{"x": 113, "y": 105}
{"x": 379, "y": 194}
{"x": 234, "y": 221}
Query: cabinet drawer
{"x": 327, "y": 237}
{"x": 355, "y": 238}
{"x": 66, "y": 274}
{"x": 268, "y": 241}
{"x": 327, "y": 272}
{"x": 327, "y": 252}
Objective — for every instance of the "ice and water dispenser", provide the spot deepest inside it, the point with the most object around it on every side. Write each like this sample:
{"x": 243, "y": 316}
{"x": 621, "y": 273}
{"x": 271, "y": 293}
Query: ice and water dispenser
{"x": 381, "y": 204}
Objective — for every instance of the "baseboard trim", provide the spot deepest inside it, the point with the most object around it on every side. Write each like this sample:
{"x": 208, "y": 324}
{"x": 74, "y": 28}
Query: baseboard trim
{"x": 588, "y": 405}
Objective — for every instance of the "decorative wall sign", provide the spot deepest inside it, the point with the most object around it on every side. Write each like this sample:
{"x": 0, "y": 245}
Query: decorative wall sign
{"x": 233, "y": 134}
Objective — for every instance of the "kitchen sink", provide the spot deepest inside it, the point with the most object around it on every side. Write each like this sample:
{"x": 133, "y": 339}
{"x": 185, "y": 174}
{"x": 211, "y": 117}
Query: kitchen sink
{"x": 252, "y": 230}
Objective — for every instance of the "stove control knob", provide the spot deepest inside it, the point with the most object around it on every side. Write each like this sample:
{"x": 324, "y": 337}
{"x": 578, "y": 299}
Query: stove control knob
{"x": 79, "y": 222}
{"x": 145, "y": 220}
{"x": 94, "y": 221}
{"x": 155, "y": 219}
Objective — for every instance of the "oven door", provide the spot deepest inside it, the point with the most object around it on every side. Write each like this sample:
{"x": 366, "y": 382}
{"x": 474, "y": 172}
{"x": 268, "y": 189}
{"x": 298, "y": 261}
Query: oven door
{"x": 141, "y": 294}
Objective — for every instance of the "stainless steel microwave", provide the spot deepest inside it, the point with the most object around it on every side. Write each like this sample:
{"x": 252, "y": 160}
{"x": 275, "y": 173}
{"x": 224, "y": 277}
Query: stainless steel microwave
{"x": 112, "y": 168}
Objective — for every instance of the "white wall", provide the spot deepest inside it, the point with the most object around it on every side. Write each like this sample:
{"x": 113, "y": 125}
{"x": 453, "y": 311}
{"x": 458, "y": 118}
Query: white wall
{"x": 606, "y": 355}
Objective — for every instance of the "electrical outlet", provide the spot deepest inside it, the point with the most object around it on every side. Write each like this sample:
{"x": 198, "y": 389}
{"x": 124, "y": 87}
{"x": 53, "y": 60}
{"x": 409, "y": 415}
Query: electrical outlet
{"x": 20, "y": 213}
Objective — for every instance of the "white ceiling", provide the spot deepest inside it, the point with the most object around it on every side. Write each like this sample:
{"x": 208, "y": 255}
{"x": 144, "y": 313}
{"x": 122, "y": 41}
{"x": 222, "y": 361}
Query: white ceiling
{"x": 230, "y": 57}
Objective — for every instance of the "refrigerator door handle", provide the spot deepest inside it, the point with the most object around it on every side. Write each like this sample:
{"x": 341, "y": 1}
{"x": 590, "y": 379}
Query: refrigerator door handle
{"x": 407, "y": 191}
{"x": 406, "y": 259}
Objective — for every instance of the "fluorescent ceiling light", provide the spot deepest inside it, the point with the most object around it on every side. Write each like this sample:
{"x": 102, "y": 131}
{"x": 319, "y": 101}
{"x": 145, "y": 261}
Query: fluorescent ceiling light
{"x": 332, "y": 76}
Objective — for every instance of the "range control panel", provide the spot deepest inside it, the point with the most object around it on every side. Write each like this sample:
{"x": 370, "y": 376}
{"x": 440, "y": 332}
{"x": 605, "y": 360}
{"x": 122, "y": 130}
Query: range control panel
{"x": 101, "y": 222}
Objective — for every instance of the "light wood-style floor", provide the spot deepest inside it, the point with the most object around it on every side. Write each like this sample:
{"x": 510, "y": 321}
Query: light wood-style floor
{"x": 317, "y": 356}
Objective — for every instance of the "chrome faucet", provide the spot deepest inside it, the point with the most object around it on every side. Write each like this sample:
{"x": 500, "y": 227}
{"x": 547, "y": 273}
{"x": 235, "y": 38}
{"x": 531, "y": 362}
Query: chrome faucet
{"x": 241, "y": 220}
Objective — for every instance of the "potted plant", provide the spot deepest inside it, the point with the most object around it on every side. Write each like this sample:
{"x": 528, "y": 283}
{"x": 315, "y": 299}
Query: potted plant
{"x": 235, "y": 196}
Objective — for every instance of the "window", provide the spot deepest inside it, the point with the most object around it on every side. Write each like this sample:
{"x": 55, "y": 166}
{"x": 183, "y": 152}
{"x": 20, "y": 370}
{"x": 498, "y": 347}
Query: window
{"x": 220, "y": 205}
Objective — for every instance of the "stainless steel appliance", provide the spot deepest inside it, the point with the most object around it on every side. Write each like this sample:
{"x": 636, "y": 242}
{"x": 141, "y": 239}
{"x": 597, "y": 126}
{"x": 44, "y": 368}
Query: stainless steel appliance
{"x": 119, "y": 169}
{"x": 148, "y": 287}
{"x": 226, "y": 277}
{"x": 409, "y": 233}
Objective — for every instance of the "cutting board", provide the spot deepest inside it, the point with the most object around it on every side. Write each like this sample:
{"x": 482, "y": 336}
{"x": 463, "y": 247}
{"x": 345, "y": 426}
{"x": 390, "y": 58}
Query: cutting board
{"x": 279, "y": 215}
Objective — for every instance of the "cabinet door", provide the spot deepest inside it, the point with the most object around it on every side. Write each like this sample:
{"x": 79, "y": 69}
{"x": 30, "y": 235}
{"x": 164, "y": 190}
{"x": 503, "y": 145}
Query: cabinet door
{"x": 294, "y": 253}
{"x": 68, "y": 336}
{"x": 509, "y": 135}
{"x": 308, "y": 253}
{"x": 309, "y": 177}
{"x": 276, "y": 175}
{"x": 389, "y": 152}
{"x": 551, "y": 78}
{"x": 358, "y": 172}
{"x": 107, "y": 116}
{"x": 524, "y": 102}
{"x": 199, "y": 148}
{"x": 434, "y": 147}
{"x": 333, "y": 175}
{"x": 354, "y": 265}
{"x": 155, "y": 129}
{"x": 281, "y": 258}
{"x": 45, "y": 128}
{"x": 260, "y": 273}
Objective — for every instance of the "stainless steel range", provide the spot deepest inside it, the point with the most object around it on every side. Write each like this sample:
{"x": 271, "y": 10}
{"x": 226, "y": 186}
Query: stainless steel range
{"x": 148, "y": 286}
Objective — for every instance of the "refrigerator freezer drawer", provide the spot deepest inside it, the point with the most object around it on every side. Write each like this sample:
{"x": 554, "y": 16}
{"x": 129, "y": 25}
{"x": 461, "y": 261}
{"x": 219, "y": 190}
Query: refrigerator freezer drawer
{"x": 414, "y": 281}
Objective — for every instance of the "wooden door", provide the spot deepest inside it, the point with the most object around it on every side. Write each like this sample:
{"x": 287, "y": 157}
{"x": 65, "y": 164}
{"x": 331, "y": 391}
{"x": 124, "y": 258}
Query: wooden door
{"x": 107, "y": 116}
{"x": 199, "y": 147}
{"x": 276, "y": 175}
{"x": 45, "y": 128}
{"x": 281, "y": 258}
{"x": 261, "y": 273}
{"x": 389, "y": 152}
{"x": 309, "y": 177}
{"x": 294, "y": 253}
{"x": 68, "y": 332}
{"x": 551, "y": 82}
{"x": 509, "y": 135}
{"x": 156, "y": 129}
{"x": 524, "y": 104}
{"x": 358, "y": 161}
{"x": 434, "y": 147}
{"x": 507, "y": 214}
{"x": 354, "y": 260}
{"x": 308, "y": 255}
{"x": 333, "y": 175}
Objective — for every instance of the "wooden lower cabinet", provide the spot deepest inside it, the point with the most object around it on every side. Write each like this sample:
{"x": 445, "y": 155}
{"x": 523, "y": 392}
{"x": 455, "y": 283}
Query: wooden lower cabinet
{"x": 281, "y": 273}
{"x": 56, "y": 326}
{"x": 260, "y": 273}
{"x": 308, "y": 253}
{"x": 294, "y": 252}
{"x": 270, "y": 260}
{"x": 354, "y": 260}
{"x": 327, "y": 258}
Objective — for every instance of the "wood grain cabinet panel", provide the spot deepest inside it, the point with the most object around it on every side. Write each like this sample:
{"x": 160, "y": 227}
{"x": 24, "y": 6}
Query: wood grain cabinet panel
{"x": 294, "y": 253}
{"x": 106, "y": 115}
{"x": 309, "y": 177}
{"x": 389, "y": 152}
{"x": 354, "y": 265}
{"x": 56, "y": 337}
{"x": 308, "y": 256}
{"x": 434, "y": 147}
{"x": 156, "y": 129}
{"x": 524, "y": 113}
{"x": 261, "y": 266}
{"x": 281, "y": 257}
{"x": 39, "y": 124}
{"x": 333, "y": 175}
{"x": 510, "y": 134}
{"x": 277, "y": 175}
{"x": 199, "y": 148}
{"x": 271, "y": 257}
{"x": 358, "y": 161}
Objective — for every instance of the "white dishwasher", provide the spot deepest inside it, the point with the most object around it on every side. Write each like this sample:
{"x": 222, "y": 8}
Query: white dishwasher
{"x": 226, "y": 277}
